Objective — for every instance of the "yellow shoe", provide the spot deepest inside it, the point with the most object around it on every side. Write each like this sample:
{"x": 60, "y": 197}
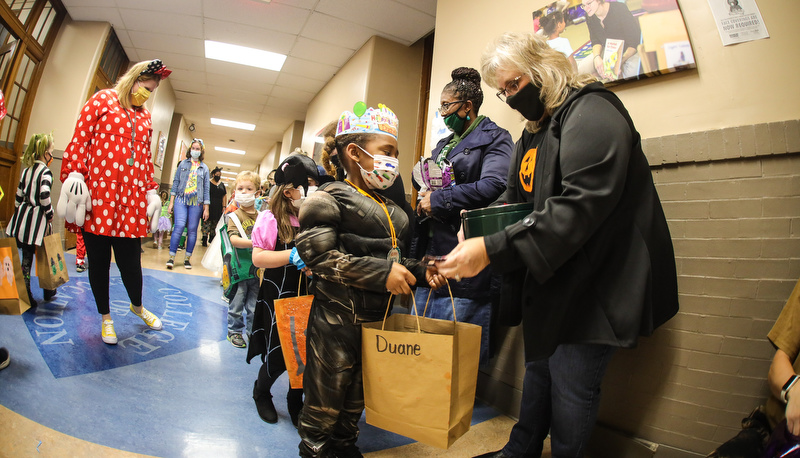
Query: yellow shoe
{"x": 108, "y": 334}
{"x": 148, "y": 318}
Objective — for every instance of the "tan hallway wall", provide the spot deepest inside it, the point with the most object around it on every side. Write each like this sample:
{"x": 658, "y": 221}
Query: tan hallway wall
{"x": 723, "y": 142}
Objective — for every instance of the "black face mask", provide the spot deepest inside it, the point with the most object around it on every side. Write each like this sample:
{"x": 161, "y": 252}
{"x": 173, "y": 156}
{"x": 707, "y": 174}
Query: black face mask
{"x": 528, "y": 102}
{"x": 217, "y": 177}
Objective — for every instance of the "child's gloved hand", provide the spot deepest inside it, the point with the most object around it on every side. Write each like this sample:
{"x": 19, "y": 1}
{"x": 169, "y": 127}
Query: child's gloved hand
{"x": 294, "y": 258}
{"x": 75, "y": 200}
{"x": 153, "y": 209}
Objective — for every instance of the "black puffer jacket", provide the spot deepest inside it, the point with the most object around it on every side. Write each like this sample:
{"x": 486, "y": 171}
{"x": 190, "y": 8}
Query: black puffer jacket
{"x": 344, "y": 239}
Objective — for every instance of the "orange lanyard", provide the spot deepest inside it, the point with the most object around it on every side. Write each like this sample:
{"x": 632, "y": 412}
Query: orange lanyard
{"x": 379, "y": 201}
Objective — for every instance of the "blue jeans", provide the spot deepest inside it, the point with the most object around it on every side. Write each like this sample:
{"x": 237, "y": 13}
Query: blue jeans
{"x": 467, "y": 311}
{"x": 185, "y": 216}
{"x": 244, "y": 300}
{"x": 560, "y": 394}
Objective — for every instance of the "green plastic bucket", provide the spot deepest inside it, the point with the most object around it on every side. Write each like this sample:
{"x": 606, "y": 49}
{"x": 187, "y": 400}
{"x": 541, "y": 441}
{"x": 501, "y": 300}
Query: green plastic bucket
{"x": 485, "y": 221}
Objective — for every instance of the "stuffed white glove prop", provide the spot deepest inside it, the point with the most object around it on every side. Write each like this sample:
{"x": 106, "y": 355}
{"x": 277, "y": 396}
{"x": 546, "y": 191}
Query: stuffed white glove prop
{"x": 75, "y": 200}
{"x": 153, "y": 209}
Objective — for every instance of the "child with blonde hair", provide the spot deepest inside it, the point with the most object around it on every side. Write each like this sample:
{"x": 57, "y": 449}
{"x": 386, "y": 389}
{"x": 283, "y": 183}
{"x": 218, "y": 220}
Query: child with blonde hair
{"x": 34, "y": 211}
{"x": 240, "y": 228}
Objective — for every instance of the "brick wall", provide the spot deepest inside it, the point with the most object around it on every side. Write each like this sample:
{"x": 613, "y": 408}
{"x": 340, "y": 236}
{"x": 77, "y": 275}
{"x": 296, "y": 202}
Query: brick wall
{"x": 732, "y": 199}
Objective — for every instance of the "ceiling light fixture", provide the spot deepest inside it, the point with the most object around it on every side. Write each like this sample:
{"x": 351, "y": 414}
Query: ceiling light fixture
{"x": 230, "y": 164}
{"x": 244, "y": 55}
{"x": 229, "y": 150}
{"x": 229, "y": 172}
{"x": 234, "y": 124}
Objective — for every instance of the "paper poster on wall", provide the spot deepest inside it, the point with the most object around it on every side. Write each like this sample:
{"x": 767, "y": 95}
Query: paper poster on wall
{"x": 617, "y": 40}
{"x": 161, "y": 149}
{"x": 738, "y": 21}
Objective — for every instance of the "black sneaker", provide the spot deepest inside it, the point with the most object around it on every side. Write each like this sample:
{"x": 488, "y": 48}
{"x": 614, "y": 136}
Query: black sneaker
{"x": 264, "y": 406}
{"x": 170, "y": 263}
{"x": 187, "y": 264}
{"x": 48, "y": 294}
{"x": 237, "y": 340}
{"x": 80, "y": 268}
{"x": 5, "y": 358}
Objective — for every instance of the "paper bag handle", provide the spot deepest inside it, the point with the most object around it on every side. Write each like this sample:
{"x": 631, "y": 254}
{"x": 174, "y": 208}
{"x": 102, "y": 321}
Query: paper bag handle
{"x": 427, "y": 301}
{"x": 416, "y": 313}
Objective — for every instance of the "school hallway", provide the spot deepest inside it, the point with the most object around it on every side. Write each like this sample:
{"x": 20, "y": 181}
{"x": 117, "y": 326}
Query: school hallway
{"x": 184, "y": 391}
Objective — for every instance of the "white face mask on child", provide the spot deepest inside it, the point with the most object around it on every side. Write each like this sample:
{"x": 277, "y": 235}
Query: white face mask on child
{"x": 245, "y": 200}
{"x": 303, "y": 195}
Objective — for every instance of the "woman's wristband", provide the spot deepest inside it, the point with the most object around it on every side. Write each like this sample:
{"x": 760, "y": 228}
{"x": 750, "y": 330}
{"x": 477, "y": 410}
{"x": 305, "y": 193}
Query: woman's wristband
{"x": 788, "y": 386}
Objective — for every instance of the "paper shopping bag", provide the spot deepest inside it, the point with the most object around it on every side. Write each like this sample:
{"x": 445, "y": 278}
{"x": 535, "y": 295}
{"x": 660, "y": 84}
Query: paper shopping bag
{"x": 291, "y": 316}
{"x": 440, "y": 356}
{"x": 50, "y": 266}
{"x": 13, "y": 295}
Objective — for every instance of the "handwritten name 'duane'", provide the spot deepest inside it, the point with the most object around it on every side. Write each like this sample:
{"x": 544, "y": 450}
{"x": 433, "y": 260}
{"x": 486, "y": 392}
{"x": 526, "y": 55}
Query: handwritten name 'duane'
{"x": 384, "y": 345}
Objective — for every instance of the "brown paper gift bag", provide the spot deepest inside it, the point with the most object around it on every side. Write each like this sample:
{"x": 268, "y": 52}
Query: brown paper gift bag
{"x": 13, "y": 295}
{"x": 291, "y": 317}
{"x": 440, "y": 356}
{"x": 51, "y": 267}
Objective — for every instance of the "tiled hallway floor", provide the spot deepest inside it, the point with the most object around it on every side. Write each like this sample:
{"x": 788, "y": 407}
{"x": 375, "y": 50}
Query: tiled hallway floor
{"x": 183, "y": 392}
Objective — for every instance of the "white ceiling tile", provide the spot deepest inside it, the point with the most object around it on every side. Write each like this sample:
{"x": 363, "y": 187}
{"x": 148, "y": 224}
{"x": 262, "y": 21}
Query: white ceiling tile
{"x": 238, "y": 72}
{"x": 97, "y": 14}
{"x": 310, "y": 69}
{"x": 426, "y": 6}
{"x": 226, "y": 111}
{"x": 305, "y": 4}
{"x": 272, "y": 16}
{"x": 189, "y": 86}
{"x": 326, "y": 28}
{"x": 389, "y": 17}
{"x": 234, "y": 93}
{"x": 133, "y": 55}
{"x": 294, "y": 94}
{"x": 185, "y": 7}
{"x": 176, "y": 62}
{"x": 248, "y": 106}
{"x": 253, "y": 86}
{"x": 290, "y": 105}
{"x": 252, "y": 37}
{"x": 322, "y": 52}
{"x": 124, "y": 38}
{"x": 195, "y": 76}
{"x": 301, "y": 83}
{"x": 69, "y": 4}
{"x": 182, "y": 25}
{"x": 167, "y": 43}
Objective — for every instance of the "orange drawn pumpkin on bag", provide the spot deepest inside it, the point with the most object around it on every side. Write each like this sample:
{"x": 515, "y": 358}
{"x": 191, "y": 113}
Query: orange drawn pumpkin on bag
{"x": 526, "y": 169}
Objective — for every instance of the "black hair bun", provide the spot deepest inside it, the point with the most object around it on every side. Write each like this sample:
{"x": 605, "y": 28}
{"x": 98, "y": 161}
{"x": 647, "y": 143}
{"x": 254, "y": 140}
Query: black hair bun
{"x": 466, "y": 73}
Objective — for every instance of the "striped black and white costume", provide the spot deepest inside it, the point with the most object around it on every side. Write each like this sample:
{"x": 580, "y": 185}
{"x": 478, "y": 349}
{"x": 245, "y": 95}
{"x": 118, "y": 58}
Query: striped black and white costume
{"x": 33, "y": 206}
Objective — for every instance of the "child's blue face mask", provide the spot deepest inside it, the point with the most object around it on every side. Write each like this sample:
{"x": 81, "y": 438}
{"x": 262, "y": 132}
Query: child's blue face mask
{"x": 259, "y": 203}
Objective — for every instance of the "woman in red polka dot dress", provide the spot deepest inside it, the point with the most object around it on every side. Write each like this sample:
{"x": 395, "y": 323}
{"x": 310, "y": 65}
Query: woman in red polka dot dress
{"x": 108, "y": 187}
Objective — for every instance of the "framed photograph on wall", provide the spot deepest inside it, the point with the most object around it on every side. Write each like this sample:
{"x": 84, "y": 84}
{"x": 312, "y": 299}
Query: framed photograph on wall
{"x": 618, "y": 40}
{"x": 161, "y": 149}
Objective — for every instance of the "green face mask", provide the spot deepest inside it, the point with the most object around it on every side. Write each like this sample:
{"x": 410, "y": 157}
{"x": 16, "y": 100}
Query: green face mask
{"x": 455, "y": 123}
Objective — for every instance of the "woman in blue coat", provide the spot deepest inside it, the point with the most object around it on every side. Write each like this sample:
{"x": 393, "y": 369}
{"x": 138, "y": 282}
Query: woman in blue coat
{"x": 478, "y": 153}
{"x": 189, "y": 200}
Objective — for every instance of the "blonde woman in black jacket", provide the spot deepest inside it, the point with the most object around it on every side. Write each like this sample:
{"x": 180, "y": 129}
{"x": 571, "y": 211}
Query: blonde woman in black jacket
{"x": 593, "y": 266}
